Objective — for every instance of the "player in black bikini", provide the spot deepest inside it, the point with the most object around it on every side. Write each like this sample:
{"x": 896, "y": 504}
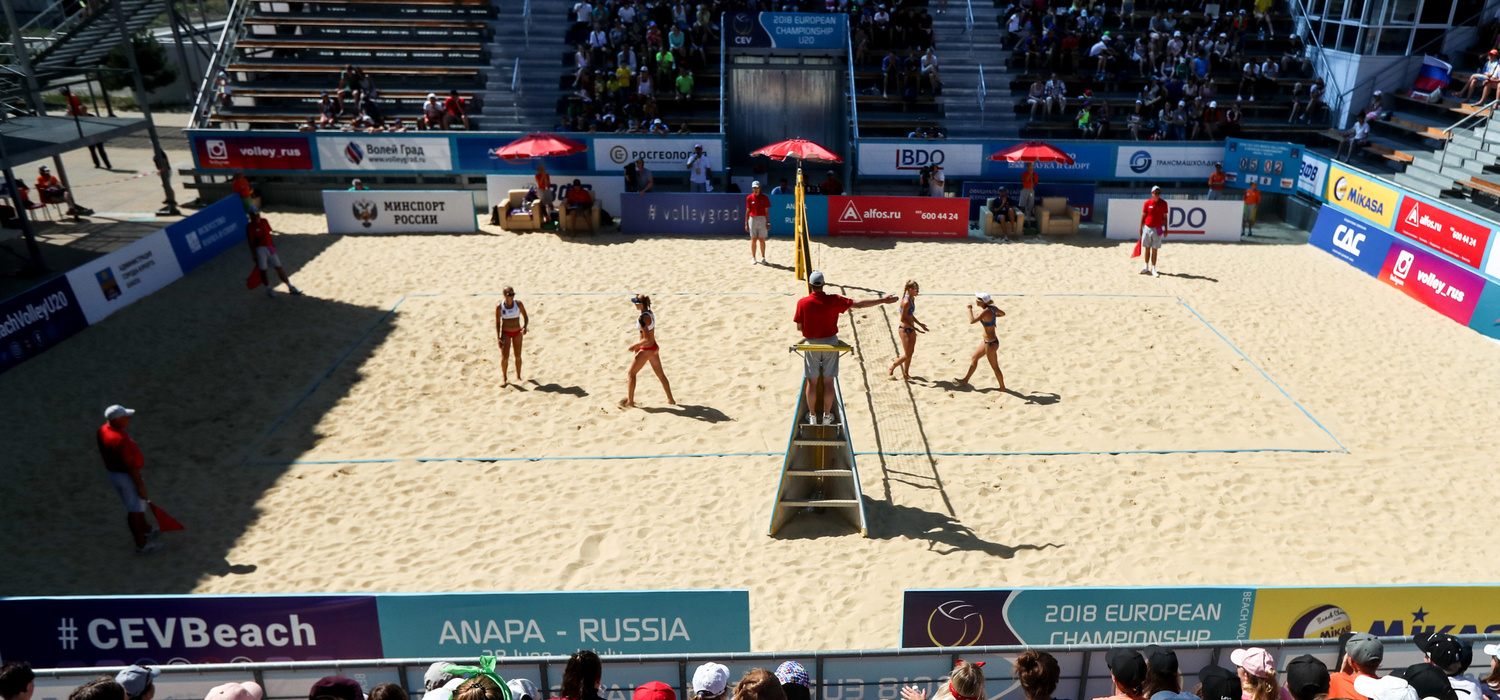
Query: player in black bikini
{"x": 987, "y": 315}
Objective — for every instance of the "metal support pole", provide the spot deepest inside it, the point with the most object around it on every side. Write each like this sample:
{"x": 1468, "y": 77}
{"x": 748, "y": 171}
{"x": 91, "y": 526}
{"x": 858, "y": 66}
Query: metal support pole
{"x": 109, "y": 107}
{"x": 172, "y": 21}
{"x": 23, "y": 55}
{"x": 21, "y": 212}
{"x": 170, "y": 203}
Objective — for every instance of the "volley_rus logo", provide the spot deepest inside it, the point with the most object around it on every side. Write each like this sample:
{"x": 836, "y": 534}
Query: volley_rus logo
{"x": 1140, "y": 162}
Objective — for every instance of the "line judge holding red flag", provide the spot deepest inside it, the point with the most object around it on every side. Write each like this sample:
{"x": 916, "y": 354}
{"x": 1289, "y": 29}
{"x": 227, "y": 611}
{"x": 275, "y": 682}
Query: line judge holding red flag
{"x": 123, "y": 460}
{"x": 1153, "y": 229}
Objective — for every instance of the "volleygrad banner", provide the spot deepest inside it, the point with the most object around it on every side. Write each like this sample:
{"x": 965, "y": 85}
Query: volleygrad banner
{"x": 1150, "y": 162}
{"x": 399, "y": 211}
{"x": 682, "y": 213}
{"x": 1106, "y": 615}
{"x": 1351, "y": 239}
{"x": 1271, "y": 166}
{"x": 368, "y": 152}
{"x": 462, "y": 625}
{"x": 1187, "y": 220}
{"x": 1361, "y": 196}
{"x": 157, "y": 630}
{"x": 786, "y": 30}
{"x": 898, "y": 217}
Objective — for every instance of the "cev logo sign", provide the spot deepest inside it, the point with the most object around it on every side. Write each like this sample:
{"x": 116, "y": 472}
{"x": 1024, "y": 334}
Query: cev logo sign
{"x": 918, "y": 158}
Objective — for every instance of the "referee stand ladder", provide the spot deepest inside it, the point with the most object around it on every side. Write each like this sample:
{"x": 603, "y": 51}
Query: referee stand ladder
{"x": 819, "y": 473}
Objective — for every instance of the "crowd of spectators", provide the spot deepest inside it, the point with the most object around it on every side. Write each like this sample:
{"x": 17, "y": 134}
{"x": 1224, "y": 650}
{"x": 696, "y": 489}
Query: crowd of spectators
{"x": 354, "y": 104}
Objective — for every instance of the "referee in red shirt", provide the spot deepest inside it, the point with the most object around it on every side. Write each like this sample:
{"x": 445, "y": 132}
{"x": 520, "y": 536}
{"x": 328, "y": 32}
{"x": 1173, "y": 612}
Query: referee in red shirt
{"x": 123, "y": 460}
{"x": 817, "y": 318}
{"x": 757, "y": 221}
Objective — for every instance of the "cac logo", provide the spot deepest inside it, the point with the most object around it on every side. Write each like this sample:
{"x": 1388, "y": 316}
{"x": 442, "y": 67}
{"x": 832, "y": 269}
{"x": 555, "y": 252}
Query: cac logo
{"x": 619, "y": 154}
{"x": 1347, "y": 239}
{"x": 354, "y": 153}
{"x": 1140, "y": 162}
{"x": 366, "y": 212}
{"x": 955, "y": 624}
{"x": 1403, "y": 265}
{"x": 1340, "y": 189}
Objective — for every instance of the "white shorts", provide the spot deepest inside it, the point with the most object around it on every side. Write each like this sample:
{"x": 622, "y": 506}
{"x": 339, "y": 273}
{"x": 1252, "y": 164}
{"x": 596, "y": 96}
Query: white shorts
{"x": 266, "y": 258}
{"x": 1150, "y": 238}
{"x": 129, "y": 494}
{"x": 758, "y": 226}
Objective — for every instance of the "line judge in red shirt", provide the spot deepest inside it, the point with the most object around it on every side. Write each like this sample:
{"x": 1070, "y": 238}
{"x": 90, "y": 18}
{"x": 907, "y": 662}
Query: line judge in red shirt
{"x": 123, "y": 461}
{"x": 817, "y": 318}
{"x": 1153, "y": 229}
{"x": 757, "y": 221}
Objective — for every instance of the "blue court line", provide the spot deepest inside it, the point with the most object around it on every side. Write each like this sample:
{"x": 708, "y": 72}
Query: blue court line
{"x": 1241, "y": 353}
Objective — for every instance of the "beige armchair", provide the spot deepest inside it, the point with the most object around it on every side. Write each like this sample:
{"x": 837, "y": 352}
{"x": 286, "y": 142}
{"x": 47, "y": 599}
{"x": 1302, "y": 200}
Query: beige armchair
{"x": 578, "y": 222}
{"x": 993, "y": 229}
{"x": 1055, "y": 218}
{"x": 516, "y": 216}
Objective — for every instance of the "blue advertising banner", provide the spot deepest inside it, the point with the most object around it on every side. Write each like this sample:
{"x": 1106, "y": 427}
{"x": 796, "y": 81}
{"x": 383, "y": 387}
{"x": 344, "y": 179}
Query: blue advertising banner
{"x": 37, "y": 319}
{"x": 475, "y": 153}
{"x": 1080, "y": 196}
{"x": 787, "y": 30}
{"x": 1092, "y": 162}
{"x": 213, "y": 230}
{"x": 1486, "y": 318}
{"x": 681, "y": 212}
{"x": 1270, "y": 165}
{"x": 1351, "y": 239}
{"x": 156, "y": 630}
{"x": 1105, "y": 615}
{"x": 784, "y": 210}
{"x": 515, "y": 624}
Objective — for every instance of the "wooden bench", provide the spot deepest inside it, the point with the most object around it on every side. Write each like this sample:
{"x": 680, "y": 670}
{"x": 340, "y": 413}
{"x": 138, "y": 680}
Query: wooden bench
{"x": 332, "y": 69}
{"x": 1415, "y": 129}
{"x": 363, "y": 45}
{"x": 1388, "y": 153}
{"x": 452, "y": 3}
{"x": 315, "y": 94}
{"x": 1485, "y": 186}
{"x": 283, "y": 20}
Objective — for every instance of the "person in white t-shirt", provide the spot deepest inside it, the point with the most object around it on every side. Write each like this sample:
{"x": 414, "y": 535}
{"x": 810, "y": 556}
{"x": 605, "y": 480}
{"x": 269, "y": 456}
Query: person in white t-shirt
{"x": 584, "y": 12}
{"x": 699, "y": 168}
{"x": 1358, "y": 137}
{"x": 1100, "y": 52}
{"x": 1037, "y": 98}
{"x": 1248, "y": 75}
{"x": 938, "y": 181}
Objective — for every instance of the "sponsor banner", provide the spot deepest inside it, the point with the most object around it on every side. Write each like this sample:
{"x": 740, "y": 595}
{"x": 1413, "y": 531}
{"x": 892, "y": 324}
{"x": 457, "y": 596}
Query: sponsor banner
{"x": 1362, "y": 196}
{"x": 464, "y": 625}
{"x": 1384, "y": 611}
{"x": 159, "y": 630}
{"x": 786, "y": 30}
{"x": 664, "y": 156}
{"x": 905, "y": 217}
{"x": 115, "y": 280}
{"x": 607, "y": 188}
{"x": 1270, "y": 165}
{"x": 1350, "y": 239}
{"x": 1187, "y": 220}
{"x": 212, "y": 230}
{"x": 1485, "y": 319}
{"x": 907, "y": 158}
{"x": 1092, "y": 162}
{"x": 1313, "y": 175}
{"x": 37, "y": 319}
{"x": 1457, "y": 236}
{"x": 1149, "y": 162}
{"x": 476, "y": 154}
{"x": 218, "y": 152}
{"x": 365, "y": 152}
{"x": 1113, "y": 616}
{"x": 400, "y": 211}
{"x": 979, "y": 192}
{"x": 1444, "y": 287}
{"x": 784, "y": 212}
{"x": 681, "y": 212}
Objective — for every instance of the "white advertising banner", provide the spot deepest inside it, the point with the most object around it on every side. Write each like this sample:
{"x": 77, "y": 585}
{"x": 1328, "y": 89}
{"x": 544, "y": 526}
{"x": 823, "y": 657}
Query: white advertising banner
{"x": 400, "y": 211}
{"x": 1313, "y": 175}
{"x": 663, "y": 154}
{"x": 909, "y": 157}
{"x": 1150, "y": 162}
{"x": 1189, "y": 220}
{"x": 370, "y": 152}
{"x": 606, "y": 188}
{"x": 108, "y": 284}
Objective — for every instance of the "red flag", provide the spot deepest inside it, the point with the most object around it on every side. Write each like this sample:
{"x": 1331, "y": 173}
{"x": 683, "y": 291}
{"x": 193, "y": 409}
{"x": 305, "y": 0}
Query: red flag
{"x": 253, "y": 280}
{"x": 165, "y": 522}
{"x": 1137, "y": 252}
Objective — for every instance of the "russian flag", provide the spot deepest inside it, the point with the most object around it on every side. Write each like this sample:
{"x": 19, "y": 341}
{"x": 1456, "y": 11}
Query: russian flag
{"x": 1434, "y": 75}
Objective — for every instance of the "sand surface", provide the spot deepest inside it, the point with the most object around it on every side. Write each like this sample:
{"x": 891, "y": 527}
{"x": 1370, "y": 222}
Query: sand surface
{"x": 1365, "y": 407}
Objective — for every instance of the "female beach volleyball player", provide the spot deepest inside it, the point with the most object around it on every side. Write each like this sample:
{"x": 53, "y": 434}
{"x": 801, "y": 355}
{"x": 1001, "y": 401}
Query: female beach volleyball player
{"x": 510, "y": 325}
{"x": 645, "y": 351}
{"x": 907, "y": 328}
{"x": 988, "y": 313}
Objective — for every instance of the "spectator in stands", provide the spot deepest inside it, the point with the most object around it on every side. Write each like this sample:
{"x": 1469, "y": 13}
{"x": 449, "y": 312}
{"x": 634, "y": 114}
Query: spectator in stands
{"x": 1136, "y": 121}
{"x": 658, "y": 128}
{"x": 432, "y": 114}
{"x": 781, "y": 188}
{"x": 700, "y": 170}
{"x": 348, "y": 79}
{"x": 1037, "y": 97}
{"x": 794, "y": 681}
{"x": 1356, "y": 138}
{"x": 1163, "y": 679}
{"x": 1216, "y": 183}
{"x": 1446, "y": 653}
{"x": 101, "y": 688}
{"x": 327, "y": 111}
{"x": 370, "y": 110}
{"x": 684, "y": 84}
{"x": 1377, "y": 109}
{"x": 524, "y": 689}
{"x": 17, "y": 681}
{"x": 582, "y": 674}
{"x": 1267, "y": 81}
{"x": 1211, "y": 122}
{"x": 711, "y": 682}
{"x": 1491, "y": 83}
{"x": 1126, "y": 666}
{"x": 1036, "y": 671}
{"x": 645, "y": 87}
{"x": 396, "y": 126}
{"x": 392, "y": 691}
{"x": 1489, "y": 685}
{"x": 1057, "y": 95}
{"x": 1084, "y": 120}
{"x": 1477, "y": 78}
{"x": 310, "y": 125}
{"x": 1307, "y": 678}
{"x": 453, "y": 110}
{"x": 930, "y": 72}
{"x": 582, "y": 64}
{"x": 578, "y": 212}
{"x": 1217, "y": 683}
{"x": 1257, "y": 667}
{"x": 1249, "y": 79}
{"x": 263, "y": 251}
{"x": 759, "y": 684}
{"x": 966, "y": 682}
{"x": 1031, "y": 48}
{"x": 51, "y": 191}
{"x": 1232, "y": 121}
{"x": 75, "y": 110}
{"x": 666, "y": 66}
{"x": 1363, "y": 653}
{"x": 357, "y": 185}
{"x": 831, "y": 185}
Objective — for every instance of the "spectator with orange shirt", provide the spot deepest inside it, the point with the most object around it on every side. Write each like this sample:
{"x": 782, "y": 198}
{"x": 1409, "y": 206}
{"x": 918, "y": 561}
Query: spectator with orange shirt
{"x": 76, "y": 109}
{"x": 1252, "y": 203}
{"x": 51, "y": 190}
{"x": 1216, "y": 182}
{"x": 1363, "y": 653}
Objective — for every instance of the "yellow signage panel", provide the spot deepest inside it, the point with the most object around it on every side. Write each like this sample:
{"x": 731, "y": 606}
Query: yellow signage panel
{"x": 1362, "y": 196}
{"x": 1299, "y": 613}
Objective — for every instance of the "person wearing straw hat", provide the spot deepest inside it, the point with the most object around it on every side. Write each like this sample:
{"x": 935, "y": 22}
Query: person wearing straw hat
{"x": 123, "y": 461}
{"x": 988, "y": 314}
{"x": 757, "y": 221}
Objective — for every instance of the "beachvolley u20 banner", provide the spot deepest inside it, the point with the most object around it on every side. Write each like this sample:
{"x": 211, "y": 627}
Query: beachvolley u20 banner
{"x": 120, "y": 630}
{"x": 1136, "y": 616}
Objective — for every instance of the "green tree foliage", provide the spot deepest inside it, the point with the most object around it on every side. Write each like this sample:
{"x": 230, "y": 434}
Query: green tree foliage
{"x": 156, "y": 70}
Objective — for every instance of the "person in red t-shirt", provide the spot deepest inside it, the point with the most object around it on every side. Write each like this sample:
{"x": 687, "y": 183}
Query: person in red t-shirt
{"x": 453, "y": 108}
{"x": 578, "y": 208}
{"x": 817, "y": 318}
{"x": 264, "y": 252}
{"x": 123, "y": 462}
{"x": 1216, "y": 182}
{"x": 757, "y": 221}
{"x": 76, "y": 109}
{"x": 1153, "y": 229}
{"x": 1363, "y": 653}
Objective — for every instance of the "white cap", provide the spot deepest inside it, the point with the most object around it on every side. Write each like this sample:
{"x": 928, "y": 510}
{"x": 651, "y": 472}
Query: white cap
{"x": 697, "y": 145}
{"x": 1388, "y": 688}
{"x": 712, "y": 678}
{"x": 1376, "y": 92}
{"x": 1492, "y": 649}
{"x": 982, "y": 296}
{"x": 1182, "y": 103}
{"x": 815, "y": 279}
{"x": 118, "y": 411}
{"x": 755, "y": 184}
{"x": 431, "y": 95}
{"x": 1177, "y": 33}
{"x": 1156, "y": 188}
{"x": 1213, "y": 104}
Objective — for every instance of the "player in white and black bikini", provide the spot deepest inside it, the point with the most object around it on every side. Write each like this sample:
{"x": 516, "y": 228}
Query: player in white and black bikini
{"x": 511, "y": 322}
{"x": 646, "y": 350}
{"x": 988, "y": 313}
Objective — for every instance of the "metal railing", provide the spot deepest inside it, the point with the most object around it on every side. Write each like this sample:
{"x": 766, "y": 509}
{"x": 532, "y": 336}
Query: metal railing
{"x": 981, "y": 92}
{"x": 208, "y": 88}
{"x": 853, "y": 93}
{"x": 1485, "y": 111}
{"x": 515, "y": 77}
{"x": 723, "y": 80}
{"x": 1300, "y": 16}
{"x": 526, "y": 20}
{"x": 44, "y": 29}
{"x": 969, "y": 23}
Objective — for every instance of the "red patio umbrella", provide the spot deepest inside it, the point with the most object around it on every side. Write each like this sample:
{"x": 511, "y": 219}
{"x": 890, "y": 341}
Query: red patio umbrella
{"x": 801, "y": 149}
{"x": 1033, "y": 152}
{"x": 539, "y": 146}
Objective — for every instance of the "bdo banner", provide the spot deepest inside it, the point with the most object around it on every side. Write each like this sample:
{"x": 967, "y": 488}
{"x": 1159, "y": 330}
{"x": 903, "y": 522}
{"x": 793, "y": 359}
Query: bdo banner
{"x": 216, "y": 152}
{"x": 400, "y": 211}
{"x": 681, "y": 212}
{"x": 159, "y": 630}
{"x": 462, "y": 625}
{"x": 1457, "y": 236}
{"x": 1271, "y": 166}
{"x": 907, "y": 158}
{"x": 1189, "y": 220}
{"x": 1351, "y": 239}
{"x": 1361, "y": 196}
{"x": 1444, "y": 287}
{"x": 37, "y": 319}
{"x": 360, "y": 152}
{"x": 903, "y": 217}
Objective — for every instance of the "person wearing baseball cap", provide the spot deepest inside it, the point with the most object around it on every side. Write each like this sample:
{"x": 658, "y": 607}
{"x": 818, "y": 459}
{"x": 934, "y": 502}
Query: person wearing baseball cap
{"x": 1152, "y": 230}
{"x": 817, "y": 318}
{"x": 1363, "y": 653}
{"x": 1306, "y": 677}
{"x": 794, "y": 680}
{"x": 249, "y": 690}
{"x": 1127, "y": 668}
{"x": 990, "y": 348}
{"x": 524, "y": 689}
{"x": 122, "y": 463}
{"x": 1258, "y": 674}
{"x": 655, "y": 690}
{"x": 710, "y": 681}
{"x": 138, "y": 682}
{"x": 1163, "y": 678}
{"x": 1217, "y": 683}
{"x": 1446, "y": 652}
{"x": 1429, "y": 682}
{"x": 757, "y": 221}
